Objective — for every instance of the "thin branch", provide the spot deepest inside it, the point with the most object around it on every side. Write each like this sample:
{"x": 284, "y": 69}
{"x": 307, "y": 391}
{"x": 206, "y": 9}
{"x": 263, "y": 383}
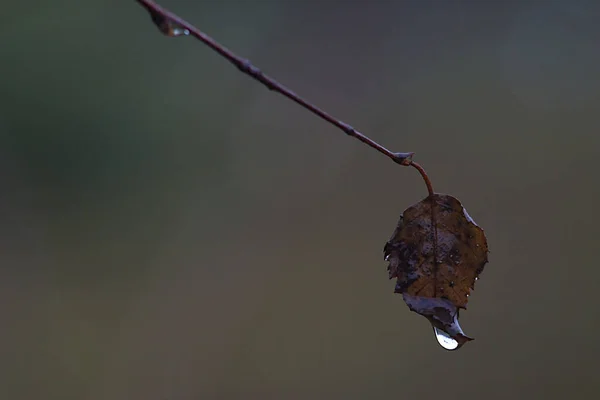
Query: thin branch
{"x": 172, "y": 25}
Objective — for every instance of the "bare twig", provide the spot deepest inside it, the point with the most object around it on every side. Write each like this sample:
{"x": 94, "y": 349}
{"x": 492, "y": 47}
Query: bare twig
{"x": 172, "y": 25}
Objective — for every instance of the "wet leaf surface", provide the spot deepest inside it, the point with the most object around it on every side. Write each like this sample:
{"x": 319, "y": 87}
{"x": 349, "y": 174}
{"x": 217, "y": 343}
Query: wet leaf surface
{"x": 436, "y": 254}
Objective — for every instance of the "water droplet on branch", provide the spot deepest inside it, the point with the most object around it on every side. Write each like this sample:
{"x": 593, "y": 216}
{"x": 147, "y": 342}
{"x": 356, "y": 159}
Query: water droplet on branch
{"x": 167, "y": 26}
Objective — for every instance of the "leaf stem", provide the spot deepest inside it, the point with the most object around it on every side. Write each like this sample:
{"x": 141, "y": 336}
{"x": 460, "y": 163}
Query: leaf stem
{"x": 165, "y": 20}
{"x": 424, "y": 176}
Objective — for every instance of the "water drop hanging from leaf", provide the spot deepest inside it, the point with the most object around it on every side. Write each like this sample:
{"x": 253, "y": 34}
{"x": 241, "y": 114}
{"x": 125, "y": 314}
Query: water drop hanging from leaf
{"x": 436, "y": 253}
{"x": 443, "y": 316}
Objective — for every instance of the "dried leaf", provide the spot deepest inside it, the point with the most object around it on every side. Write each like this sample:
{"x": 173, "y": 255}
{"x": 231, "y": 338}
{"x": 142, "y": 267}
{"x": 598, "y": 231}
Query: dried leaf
{"x": 437, "y": 252}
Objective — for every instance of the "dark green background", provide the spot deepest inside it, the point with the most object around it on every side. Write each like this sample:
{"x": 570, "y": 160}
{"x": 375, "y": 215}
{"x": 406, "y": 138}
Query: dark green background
{"x": 172, "y": 230}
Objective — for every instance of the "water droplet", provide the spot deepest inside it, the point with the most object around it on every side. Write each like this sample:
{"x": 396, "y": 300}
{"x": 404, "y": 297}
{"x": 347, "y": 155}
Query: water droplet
{"x": 445, "y": 340}
{"x": 178, "y": 31}
{"x": 166, "y": 25}
{"x": 476, "y": 278}
{"x": 387, "y": 257}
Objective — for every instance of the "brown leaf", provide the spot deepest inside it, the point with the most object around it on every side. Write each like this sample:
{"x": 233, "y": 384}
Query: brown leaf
{"x": 437, "y": 252}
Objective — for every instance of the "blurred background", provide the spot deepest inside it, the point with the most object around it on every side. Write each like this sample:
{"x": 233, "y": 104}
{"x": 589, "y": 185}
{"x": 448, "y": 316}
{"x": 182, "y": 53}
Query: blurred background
{"x": 172, "y": 230}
